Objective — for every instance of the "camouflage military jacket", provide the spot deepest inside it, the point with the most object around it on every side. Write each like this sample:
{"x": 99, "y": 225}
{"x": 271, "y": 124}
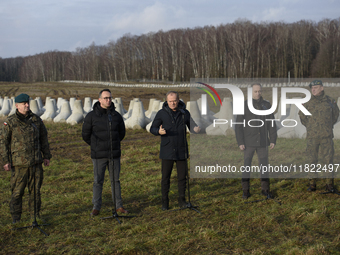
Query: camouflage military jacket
{"x": 21, "y": 137}
{"x": 324, "y": 112}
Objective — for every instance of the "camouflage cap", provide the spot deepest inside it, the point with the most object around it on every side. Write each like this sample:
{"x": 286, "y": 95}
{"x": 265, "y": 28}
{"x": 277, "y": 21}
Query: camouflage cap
{"x": 315, "y": 82}
{"x": 22, "y": 98}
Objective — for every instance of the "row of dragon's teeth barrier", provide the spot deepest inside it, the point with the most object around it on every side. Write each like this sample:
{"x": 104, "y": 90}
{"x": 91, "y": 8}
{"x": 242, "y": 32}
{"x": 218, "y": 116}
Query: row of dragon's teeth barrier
{"x": 73, "y": 111}
{"x": 136, "y": 117}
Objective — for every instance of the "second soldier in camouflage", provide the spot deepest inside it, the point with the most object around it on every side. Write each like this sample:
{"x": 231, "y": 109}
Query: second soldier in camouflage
{"x": 319, "y": 127}
{"x": 24, "y": 147}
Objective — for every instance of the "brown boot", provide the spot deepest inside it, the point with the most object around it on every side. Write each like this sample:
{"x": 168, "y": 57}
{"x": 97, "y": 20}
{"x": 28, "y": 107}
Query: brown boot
{"x": 94, "y": 212}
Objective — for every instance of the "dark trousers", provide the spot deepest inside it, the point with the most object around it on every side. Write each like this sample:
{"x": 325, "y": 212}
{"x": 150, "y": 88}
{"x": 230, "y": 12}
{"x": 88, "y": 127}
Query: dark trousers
{"x": 99, "y": 168}
{"x": 167, "y": 166}
{"x": 20, "y": 178}
{"x": 262, "y": 155}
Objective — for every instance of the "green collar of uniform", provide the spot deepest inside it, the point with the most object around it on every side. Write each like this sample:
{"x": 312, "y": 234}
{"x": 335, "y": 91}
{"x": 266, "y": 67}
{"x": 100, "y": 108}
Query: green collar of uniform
{"x": 23, "y": 117}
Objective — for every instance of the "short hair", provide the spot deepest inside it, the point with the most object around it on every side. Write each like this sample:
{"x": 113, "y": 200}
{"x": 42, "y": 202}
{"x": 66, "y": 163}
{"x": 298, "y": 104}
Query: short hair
{"x": 171, "y": 92}
{"x": 101, "y": 92}
{"x": 258, "y": 84}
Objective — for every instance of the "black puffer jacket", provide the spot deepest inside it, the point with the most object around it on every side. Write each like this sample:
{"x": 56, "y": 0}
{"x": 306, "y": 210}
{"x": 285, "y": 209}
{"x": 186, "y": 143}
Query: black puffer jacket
{"x": 174, "y": 145}
{"x": 256, "y": 136}
{"x": 96, "y": 133}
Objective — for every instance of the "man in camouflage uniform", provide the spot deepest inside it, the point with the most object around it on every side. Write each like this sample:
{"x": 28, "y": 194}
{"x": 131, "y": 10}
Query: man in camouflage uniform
{"x": 24, "y": 147}
{"x": 319, "y": 127}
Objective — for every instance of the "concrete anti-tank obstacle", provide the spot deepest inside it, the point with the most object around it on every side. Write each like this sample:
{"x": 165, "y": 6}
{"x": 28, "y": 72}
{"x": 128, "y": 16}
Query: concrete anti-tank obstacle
{"x": 226, "y": 109}
{"x": 160, "y": 106}
{"x": 50, "y": 111}
{"x": 55, "y": 105}
{"x": 72, "y": 100}
{"x": 13, "y": 107}
{"x": 94, "y": 101}
{"x": 120, "y": 101}
{"x": 288, "y": 130}
{"x": 336, "y": 131}
{"x": 338, "y": 103}
{"x": 5, "y": 110}
{"x": 280, "y": 117}
{"x": 35, "y": 108}
{"x": 153, "y": 109}
{"x": 87, "y": 105}
{"x": 60, "y": 102}
{"x": 128, "y": 114}
{"x": 148, "y": 112}
{"x": 46, "y": 99}
{"x": 210, "y": 114}
{"x": 336, "y": 128}
{"x": 119, "y": 106}
{"x": 65, "y": 112}
{"x": 77, "y": 115}
{"x": 226, "y": 116}
{"x": 12, "y": 102}
{"x": 137, "y": 119}
{"x": 129, "y": 111}
{"x": 40, "y": 105}
{"x": 195, "y": 113}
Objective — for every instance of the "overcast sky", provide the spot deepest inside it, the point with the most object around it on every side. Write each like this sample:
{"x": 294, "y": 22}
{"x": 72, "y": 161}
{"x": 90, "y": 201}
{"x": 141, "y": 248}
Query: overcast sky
{"x": 29, "y": 27}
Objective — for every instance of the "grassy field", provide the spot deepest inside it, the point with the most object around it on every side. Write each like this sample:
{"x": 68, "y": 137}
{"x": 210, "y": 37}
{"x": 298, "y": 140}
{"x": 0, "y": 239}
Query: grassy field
{"x": 304, "y": 223}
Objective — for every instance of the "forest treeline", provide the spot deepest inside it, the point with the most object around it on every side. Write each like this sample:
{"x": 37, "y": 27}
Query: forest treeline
{"x": 238, "y": 50}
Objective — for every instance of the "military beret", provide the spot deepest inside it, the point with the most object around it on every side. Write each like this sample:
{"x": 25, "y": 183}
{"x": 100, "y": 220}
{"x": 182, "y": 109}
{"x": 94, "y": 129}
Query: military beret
{"x": 315, "y": 82}
{"x": 22, "y": 98}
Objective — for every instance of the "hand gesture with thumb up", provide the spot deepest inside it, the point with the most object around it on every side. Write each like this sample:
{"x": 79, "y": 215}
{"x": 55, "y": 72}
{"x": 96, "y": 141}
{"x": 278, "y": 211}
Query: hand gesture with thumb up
{"x": 161, "y": 130}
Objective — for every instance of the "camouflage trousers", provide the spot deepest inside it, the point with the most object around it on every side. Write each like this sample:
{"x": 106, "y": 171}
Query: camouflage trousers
{"x": 320, "y": 151}
{"x": 20, "y": 178}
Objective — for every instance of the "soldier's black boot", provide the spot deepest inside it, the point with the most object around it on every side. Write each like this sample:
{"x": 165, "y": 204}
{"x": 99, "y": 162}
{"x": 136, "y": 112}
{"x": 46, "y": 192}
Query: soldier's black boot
{"x": 266, "y": 193}
{"x": 246, "y": 194}
{"x": 312, "y": 187}
{"x": 330, "y": 188}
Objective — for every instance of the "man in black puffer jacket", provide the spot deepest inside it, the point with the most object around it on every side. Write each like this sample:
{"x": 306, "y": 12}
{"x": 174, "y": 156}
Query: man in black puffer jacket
{"x": 171, "y": 123}
{"x": 103, "y": 130}
{"x": 256, "y": 134}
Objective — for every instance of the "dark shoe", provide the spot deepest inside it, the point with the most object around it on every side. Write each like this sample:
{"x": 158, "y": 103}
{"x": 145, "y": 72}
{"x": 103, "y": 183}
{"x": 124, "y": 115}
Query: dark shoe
{"x": 182, "y": 203}
{"x": 312, "y": 187}
{"x": 330, "y": 188}
{"x": 266, "y": 193}
{"x": 94, "y": 212}
{"x": 121, "y": 210}
{"x": 165, "y": 205}
{"x": 246, "y": 194}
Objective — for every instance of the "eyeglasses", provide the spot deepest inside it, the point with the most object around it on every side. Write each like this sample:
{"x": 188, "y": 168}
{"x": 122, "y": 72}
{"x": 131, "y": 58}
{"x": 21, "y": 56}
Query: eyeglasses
{"x": 107, "y": 98}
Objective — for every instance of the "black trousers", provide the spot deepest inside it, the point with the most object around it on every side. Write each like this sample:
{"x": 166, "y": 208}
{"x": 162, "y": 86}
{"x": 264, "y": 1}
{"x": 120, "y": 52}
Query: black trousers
{"x": 262, "y": 155}
{"x": 167, "y": 166}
